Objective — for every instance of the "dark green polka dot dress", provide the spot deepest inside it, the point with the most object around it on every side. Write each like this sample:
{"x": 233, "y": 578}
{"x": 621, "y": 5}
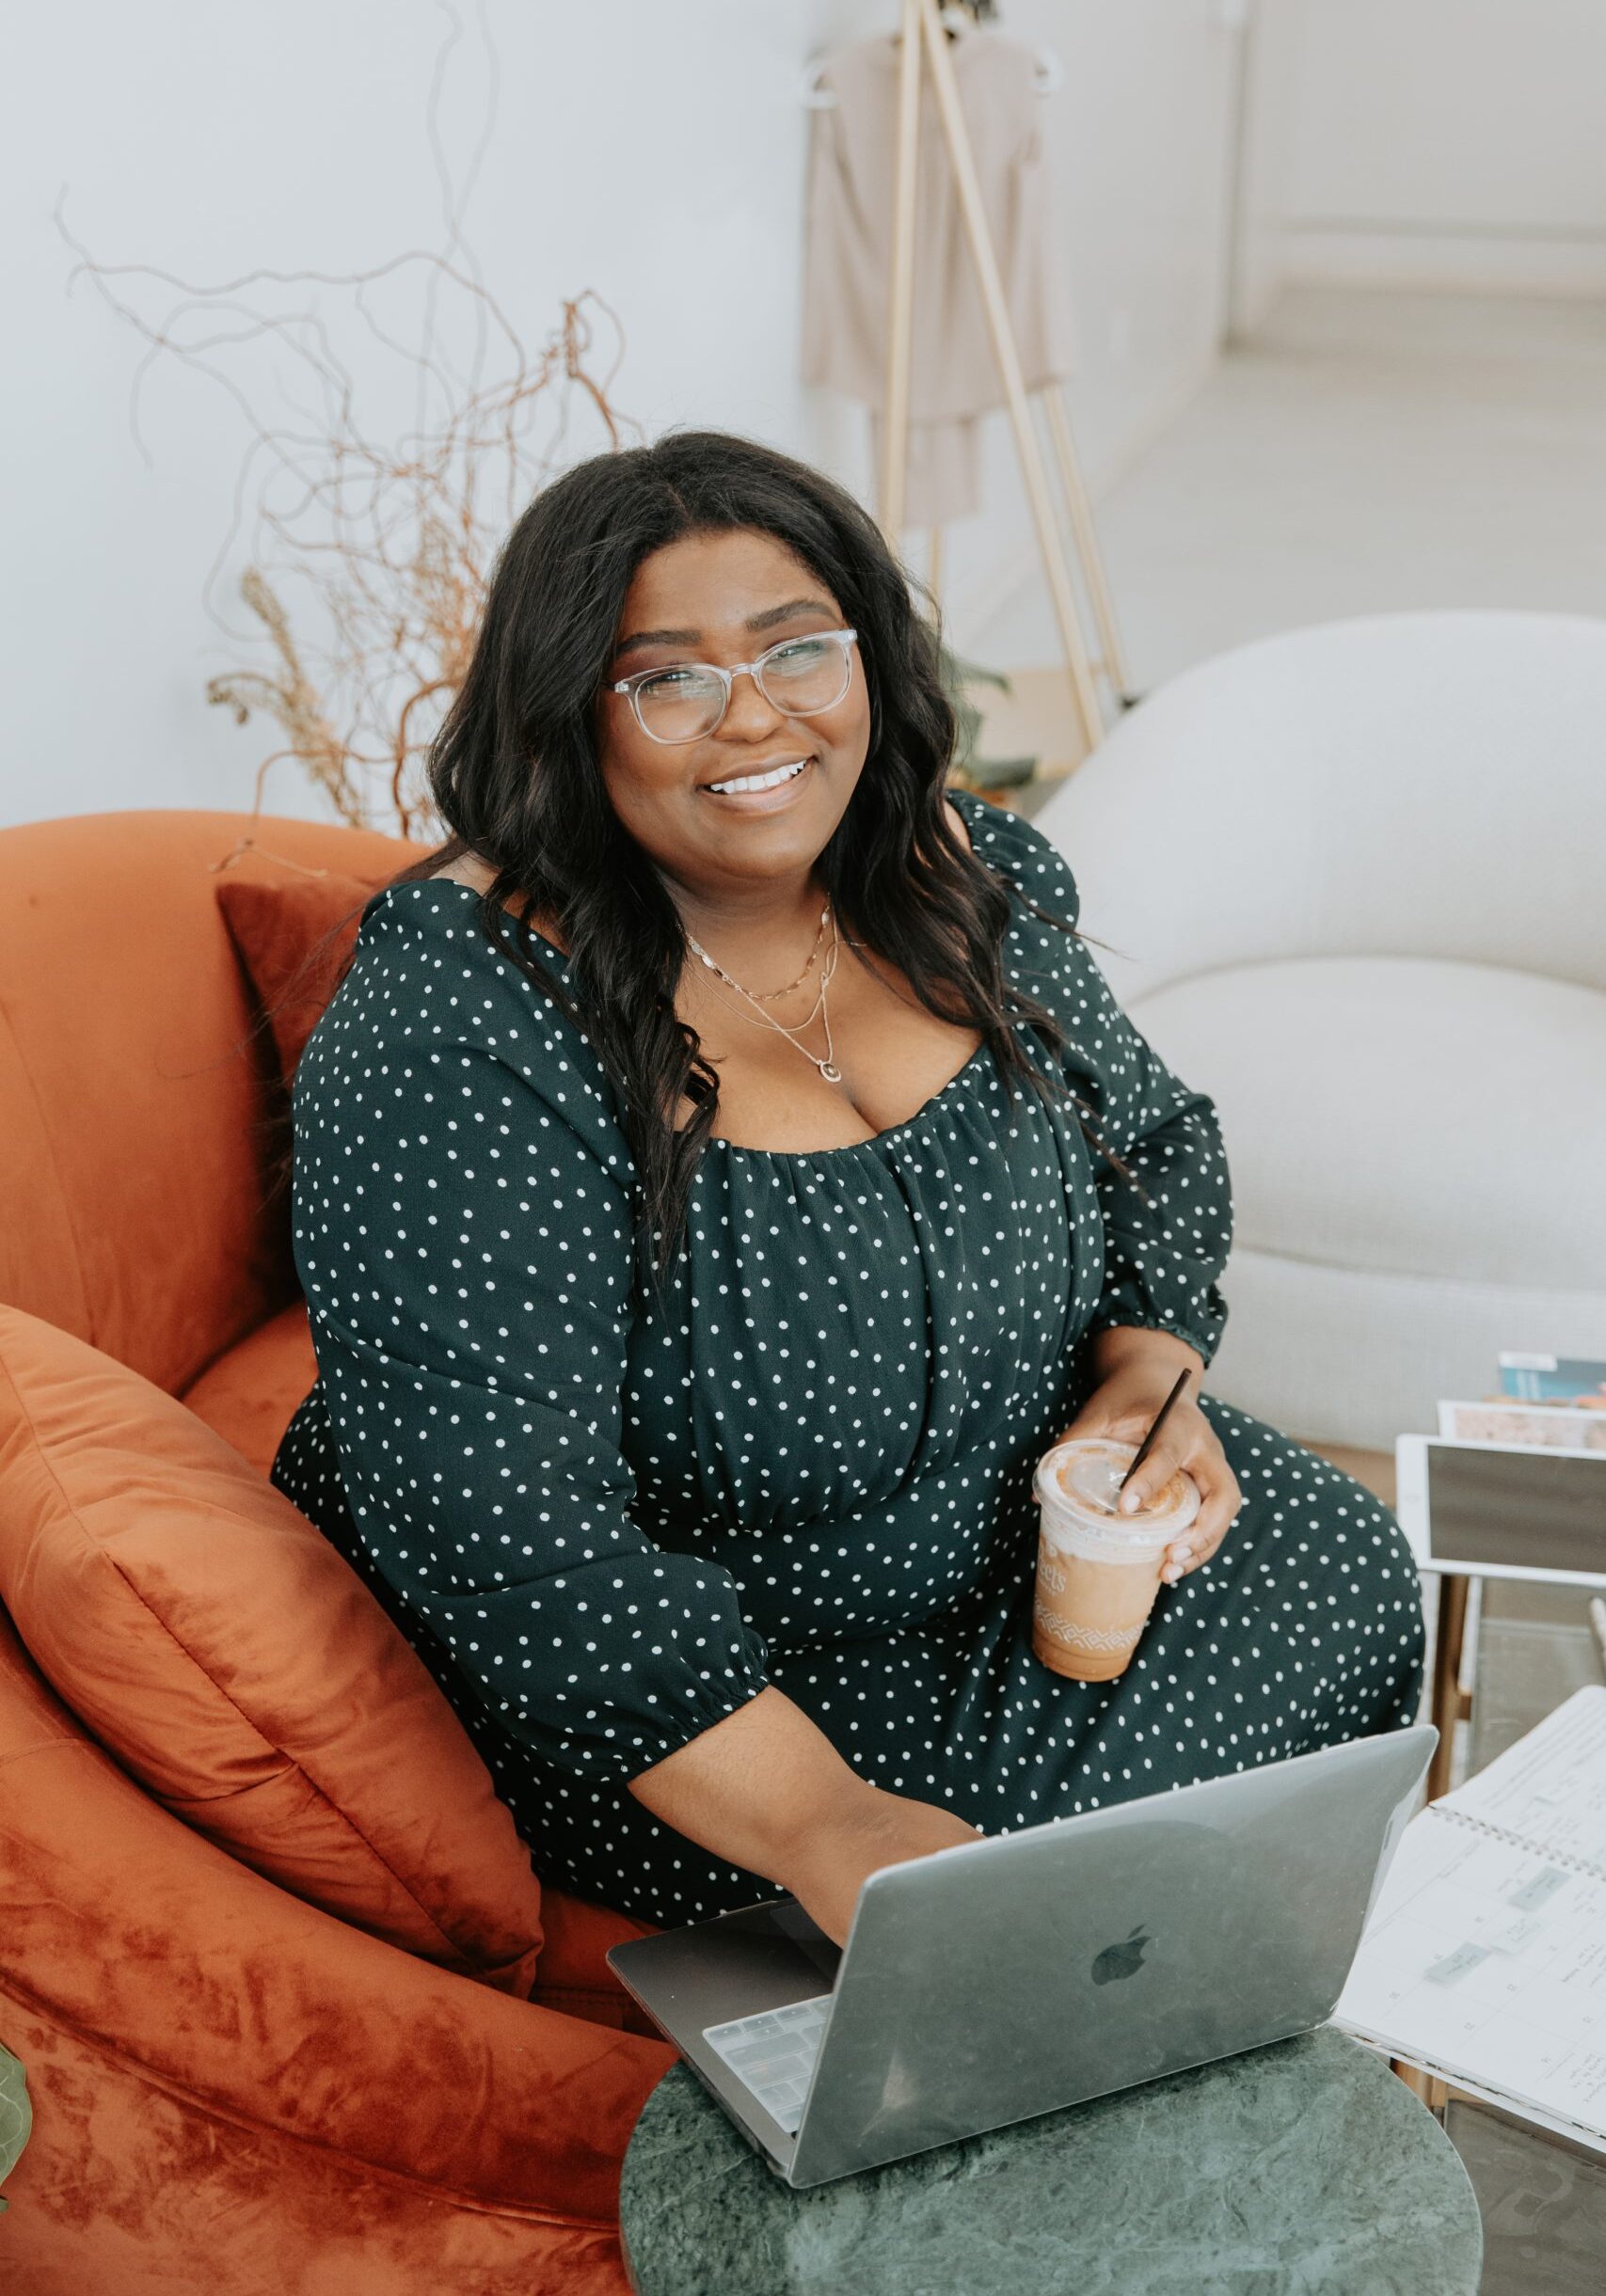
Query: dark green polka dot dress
{"x": 607, "y": 1523}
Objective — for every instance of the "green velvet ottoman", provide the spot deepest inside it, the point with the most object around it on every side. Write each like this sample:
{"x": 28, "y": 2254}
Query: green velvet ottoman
{"x": 1302, "y": 2167}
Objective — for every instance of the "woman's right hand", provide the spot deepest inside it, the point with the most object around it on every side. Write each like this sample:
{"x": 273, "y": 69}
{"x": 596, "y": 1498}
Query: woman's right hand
{"x": 870, "y": 1830}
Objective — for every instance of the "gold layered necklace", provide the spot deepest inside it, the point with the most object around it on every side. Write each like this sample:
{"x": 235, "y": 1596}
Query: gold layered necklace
{"x": 769, "y": 996}
{"x": 820, "y": 1008}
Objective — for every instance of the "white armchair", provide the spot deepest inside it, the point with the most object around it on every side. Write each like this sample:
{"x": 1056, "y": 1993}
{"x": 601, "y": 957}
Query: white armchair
{"x": 1354, "y": 883}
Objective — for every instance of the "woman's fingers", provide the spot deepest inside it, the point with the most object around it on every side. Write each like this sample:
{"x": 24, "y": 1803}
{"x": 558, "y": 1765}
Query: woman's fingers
{"x": 1189, "y": 1442}
{"x": 1195, "y": 1451}
{"x": 1173, "y": 1450}
{"x": 1198, "y": 1453}
{"x": 1221, "y": 1500}
{"x": 1165, "y": 1460}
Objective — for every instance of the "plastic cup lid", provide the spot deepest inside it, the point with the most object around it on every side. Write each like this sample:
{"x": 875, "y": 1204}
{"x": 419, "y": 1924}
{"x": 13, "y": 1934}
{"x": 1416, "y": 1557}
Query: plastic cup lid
{"x": 1083, "y": 1479}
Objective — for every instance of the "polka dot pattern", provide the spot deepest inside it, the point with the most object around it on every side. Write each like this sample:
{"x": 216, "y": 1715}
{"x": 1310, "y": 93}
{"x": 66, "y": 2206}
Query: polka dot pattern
{"x": 607, "y": 1521}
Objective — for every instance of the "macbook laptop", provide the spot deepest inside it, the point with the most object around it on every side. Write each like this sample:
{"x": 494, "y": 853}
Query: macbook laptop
{"x": 1028, "y": 1970}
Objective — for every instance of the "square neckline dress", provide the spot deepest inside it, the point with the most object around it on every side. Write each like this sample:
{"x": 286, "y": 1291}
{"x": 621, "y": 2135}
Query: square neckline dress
{"x": 607, "y": 1521}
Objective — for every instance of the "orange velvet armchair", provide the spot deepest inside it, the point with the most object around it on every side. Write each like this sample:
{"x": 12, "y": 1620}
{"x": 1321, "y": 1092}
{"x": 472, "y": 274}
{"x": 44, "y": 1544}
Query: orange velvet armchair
{"x": 233, "y": 2092}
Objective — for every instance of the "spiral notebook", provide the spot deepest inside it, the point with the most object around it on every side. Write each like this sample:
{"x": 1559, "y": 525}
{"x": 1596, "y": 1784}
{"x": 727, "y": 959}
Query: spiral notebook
{"x": 1484, "y": 1958}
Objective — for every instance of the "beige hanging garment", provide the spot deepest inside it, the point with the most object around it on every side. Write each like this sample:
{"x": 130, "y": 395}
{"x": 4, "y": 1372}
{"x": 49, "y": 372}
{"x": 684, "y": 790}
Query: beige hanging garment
{"x": 847, "y": 263}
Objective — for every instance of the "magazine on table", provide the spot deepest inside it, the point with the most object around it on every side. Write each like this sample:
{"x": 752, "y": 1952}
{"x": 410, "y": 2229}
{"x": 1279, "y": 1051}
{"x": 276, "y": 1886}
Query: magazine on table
{"x": 1484, "y": 1958}
{"x": 1550, "y": 1403}
{"x": 1539, "y": 1426}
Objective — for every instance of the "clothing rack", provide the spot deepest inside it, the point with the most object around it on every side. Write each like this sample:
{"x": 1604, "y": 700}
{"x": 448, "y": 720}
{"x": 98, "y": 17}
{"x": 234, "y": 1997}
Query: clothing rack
{"x": 925, "y": 50}
{"x": 1048, "y": 75}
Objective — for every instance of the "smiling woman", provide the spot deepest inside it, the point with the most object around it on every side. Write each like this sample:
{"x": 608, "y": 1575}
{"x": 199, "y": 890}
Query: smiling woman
{"x": 721, "y": 1174}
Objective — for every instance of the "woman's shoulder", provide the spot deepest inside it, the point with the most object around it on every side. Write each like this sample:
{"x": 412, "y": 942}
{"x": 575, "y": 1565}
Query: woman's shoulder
{"x": 477, "y": 876}
{"x": 427, "y": 991}
{"x": 446, "y": 906}
{"x": 1019, "y": 850}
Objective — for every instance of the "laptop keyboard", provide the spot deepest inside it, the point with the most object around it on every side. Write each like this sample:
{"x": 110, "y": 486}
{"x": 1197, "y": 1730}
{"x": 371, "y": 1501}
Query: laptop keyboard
{"x": 772, "y": 2054}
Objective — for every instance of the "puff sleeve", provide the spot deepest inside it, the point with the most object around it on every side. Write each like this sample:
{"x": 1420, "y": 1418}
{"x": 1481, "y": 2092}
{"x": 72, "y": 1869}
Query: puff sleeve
{"x": 1165, "y": 1247}
{"x": 467, "y": 1262}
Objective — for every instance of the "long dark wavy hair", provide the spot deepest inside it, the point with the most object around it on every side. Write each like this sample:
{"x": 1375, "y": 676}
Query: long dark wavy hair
{"x": 515, "y": 774}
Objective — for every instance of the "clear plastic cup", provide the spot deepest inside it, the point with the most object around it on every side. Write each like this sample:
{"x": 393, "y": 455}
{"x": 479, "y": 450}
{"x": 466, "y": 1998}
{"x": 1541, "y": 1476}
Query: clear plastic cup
{"x": 1098, "y": 1571}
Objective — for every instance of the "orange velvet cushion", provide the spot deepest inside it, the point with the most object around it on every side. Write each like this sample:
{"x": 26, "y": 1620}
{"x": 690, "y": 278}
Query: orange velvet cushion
{"x": 284, "y": 934}
{"x": 228, "y": 1657}
{"x": 252, "y": 1391}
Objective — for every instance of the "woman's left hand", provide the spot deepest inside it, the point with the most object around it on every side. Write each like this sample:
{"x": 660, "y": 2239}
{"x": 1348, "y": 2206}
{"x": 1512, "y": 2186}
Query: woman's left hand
{"x": 1122, "y": 1407}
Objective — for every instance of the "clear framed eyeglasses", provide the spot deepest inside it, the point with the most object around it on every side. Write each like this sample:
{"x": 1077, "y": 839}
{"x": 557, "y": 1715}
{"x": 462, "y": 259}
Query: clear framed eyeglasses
{"x": 800, "y": 677}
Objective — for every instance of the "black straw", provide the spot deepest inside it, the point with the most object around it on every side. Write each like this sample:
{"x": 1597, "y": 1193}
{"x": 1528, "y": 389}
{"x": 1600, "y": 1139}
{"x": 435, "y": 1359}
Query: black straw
{"x": 1148, "y": 1443}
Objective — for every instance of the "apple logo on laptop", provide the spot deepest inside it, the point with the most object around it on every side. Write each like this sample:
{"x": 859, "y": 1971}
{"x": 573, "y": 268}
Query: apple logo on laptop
{"x": 1122, "y": 1960}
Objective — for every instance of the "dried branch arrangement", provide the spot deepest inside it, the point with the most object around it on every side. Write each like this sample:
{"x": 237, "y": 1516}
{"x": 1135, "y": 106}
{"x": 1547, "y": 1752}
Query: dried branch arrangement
{"x": 411, "y": 427}
{"x": 383, "y": 544}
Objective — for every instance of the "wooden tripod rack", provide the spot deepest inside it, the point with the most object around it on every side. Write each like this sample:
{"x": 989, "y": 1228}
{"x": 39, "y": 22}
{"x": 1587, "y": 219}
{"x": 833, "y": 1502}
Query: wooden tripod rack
{"x": 922, "y": 31}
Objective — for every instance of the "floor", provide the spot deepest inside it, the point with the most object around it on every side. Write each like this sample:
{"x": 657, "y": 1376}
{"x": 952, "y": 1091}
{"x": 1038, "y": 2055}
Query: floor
{"x": 1366, "y": 451}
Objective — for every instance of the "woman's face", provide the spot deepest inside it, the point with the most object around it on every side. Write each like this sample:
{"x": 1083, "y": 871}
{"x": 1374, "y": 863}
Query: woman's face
{"x": 724, "y": 598}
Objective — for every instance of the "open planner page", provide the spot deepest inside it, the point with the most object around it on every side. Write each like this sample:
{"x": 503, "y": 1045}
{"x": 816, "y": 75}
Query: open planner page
{"x": 1484, "y": 1958}
{"x": 1549, "y": 1788}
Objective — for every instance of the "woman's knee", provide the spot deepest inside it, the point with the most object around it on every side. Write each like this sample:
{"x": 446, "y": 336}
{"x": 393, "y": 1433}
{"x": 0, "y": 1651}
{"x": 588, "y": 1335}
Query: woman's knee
{"x": 1291, "y": 1492}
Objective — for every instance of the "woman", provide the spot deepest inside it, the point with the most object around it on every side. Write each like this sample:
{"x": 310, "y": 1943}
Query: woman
{"x": 720, "y": 1174}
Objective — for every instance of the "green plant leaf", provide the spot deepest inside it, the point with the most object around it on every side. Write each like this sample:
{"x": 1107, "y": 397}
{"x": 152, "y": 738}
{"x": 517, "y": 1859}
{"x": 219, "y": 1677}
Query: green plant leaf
{"x": 967, "y": 769}
{"x": 16, "y": 2112}
{"x": 999, "y": 772}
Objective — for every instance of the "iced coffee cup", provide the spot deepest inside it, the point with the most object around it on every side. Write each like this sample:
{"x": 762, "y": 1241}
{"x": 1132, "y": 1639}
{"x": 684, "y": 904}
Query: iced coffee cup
{"x": 1098, "y": 1571}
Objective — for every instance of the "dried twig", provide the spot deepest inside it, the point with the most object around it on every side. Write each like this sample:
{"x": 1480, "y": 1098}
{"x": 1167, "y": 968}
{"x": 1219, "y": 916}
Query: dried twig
{"x": 369, "y": 550}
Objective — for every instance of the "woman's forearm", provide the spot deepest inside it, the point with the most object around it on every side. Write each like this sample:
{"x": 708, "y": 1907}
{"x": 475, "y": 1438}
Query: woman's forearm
{"x": 767, "y": 1790}
{"x": 1122, "y": 1345}
{"x": 755, "y": 1786}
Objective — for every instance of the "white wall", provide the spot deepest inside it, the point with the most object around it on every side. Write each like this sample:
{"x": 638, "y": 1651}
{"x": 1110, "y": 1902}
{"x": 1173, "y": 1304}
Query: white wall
{"x": 1267, "y": 134}
{"x": 1140, "y": 139}
{"x": 210, "y": 141}
{"x": 1438, "y": 143}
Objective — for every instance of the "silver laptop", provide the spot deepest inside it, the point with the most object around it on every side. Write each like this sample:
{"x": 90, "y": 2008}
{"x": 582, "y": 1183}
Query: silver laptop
{"x": 1028, "y": 1970}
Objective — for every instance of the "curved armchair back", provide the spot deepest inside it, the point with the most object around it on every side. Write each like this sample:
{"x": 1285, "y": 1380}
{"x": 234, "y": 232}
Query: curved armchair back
{"x": 131, "y": 1143}
{"x": 1414, "y": 784}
